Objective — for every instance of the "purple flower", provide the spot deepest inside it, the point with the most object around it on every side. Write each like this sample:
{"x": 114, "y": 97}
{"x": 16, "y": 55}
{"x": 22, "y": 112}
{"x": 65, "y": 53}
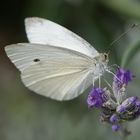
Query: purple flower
{"x": 120, "y": 81}
{"x": 115, "y": 127}
{"x": 116, "y": 107}
{"x": 138, "y": 110}
{"x": 120, "y": 109}
{"x": 95, "y": 97}
{"x": 132, "y": 99}
{"x": 129, "y": 102}
{"x": 114, "y": 118}
{"x": 122, "y": 76}
{"x": 138, "y": 104}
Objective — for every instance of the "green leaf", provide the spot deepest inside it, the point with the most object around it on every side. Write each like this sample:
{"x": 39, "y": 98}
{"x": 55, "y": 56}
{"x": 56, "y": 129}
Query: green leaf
{"x": 129, "y": 54}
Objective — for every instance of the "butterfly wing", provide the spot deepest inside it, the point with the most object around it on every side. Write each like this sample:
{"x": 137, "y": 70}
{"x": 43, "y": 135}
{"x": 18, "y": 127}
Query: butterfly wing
{"x": 58, "y": 73}
{"x": 43, "y": 31}
{"x": 58, "y": 86}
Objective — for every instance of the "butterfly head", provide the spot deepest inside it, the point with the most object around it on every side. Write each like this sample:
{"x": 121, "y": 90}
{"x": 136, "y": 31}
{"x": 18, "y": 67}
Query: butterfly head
{"x": 101, "y": 64}
{"x": 103, "y": 58}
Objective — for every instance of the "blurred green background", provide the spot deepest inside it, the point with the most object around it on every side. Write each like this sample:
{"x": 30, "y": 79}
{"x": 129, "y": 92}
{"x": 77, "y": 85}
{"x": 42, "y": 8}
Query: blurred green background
{"x": 25, "y": 115}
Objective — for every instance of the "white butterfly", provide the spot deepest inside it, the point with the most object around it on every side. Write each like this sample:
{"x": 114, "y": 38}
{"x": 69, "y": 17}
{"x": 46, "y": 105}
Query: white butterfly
{"x": 56, "y": 63}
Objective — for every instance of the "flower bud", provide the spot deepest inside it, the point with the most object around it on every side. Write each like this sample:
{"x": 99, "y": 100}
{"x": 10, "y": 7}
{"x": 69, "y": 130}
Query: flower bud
{"x": 120, "y": 109}
{"x": 115, "y": 127}
{"x": 114, "y": 118}
{"x": 129, "y": 103}
{"x": 138, "y": 103}
{"x": 132, "y": 99}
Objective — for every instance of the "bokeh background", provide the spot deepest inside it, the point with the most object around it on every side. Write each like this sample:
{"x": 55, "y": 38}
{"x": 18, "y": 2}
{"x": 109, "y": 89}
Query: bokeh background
{"x": 25, "y": 115}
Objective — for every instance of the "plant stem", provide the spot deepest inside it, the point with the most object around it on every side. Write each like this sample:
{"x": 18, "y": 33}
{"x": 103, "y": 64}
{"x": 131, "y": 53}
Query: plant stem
{"x": 124, "y": 132}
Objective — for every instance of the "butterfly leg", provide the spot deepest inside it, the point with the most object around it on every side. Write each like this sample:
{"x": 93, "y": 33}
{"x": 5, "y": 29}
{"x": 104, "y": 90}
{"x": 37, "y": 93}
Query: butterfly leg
{"x": 93, "y": 81}
{"x": 99, "y": 81}
{"x": 109, "y": 85}
{"x": 114, "y": 75}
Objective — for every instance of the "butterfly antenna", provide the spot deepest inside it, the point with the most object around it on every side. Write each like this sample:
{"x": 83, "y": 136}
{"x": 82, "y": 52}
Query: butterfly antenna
{"x": 123, "y": 34}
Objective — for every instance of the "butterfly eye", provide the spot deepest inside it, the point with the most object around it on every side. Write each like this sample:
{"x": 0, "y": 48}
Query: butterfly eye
{"x": 36, "y": 60}
{"x": 106, "y": 56}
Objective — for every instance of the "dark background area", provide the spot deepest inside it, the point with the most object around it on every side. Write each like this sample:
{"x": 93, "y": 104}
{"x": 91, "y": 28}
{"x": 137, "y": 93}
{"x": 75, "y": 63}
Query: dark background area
{"x": 25, "y": 115}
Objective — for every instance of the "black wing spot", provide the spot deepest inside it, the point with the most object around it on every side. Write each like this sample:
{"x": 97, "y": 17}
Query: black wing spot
{"x": 36, "y": 60}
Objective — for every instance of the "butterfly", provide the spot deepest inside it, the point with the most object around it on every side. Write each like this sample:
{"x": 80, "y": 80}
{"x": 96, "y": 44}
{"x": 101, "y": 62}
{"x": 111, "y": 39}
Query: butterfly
{"x": 56, "y": 62}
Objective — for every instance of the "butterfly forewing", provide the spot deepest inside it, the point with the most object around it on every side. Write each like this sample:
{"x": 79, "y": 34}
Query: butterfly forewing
{"x": 43, "y": 31}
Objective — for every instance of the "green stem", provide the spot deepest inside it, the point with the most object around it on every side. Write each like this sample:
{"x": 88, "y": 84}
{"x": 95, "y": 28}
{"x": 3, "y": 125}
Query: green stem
{"x": 124, "y": 132}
